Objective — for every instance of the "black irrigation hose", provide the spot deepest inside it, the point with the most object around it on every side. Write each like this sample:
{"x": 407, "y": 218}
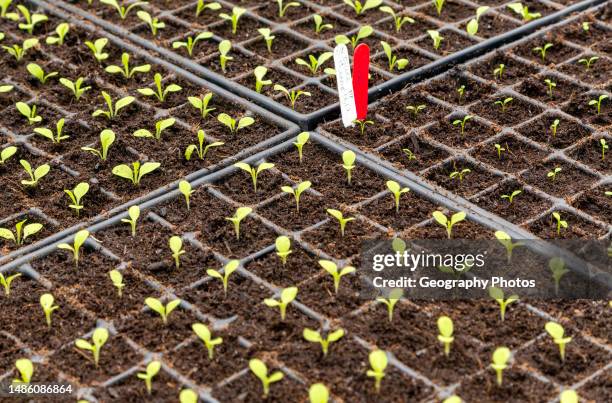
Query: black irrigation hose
{"x": 309, "y": 121}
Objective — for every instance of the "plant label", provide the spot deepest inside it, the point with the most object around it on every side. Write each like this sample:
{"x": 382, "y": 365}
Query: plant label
{"x": 361, "y": 71}
{"x": 342, "y": 65}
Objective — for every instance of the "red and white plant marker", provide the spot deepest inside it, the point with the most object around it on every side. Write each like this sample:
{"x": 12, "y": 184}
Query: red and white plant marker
{"x": 361, "y": 72}
{"x": 352, "y": 88}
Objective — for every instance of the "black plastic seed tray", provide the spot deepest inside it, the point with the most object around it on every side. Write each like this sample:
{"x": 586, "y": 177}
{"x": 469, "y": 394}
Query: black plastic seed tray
{"x": 295, "y": 34}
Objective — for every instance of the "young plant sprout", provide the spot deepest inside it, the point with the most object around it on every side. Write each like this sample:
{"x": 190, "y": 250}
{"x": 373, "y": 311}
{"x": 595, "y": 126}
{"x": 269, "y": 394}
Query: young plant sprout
{"x": 499, "y": 149}
{"x": 26, "y": 370}
{"x": 233, "y": 124}
{"x": 499, "y": 71}
{"x": 7, "y": 153}
{"x": 445, "y": 327}
{"x": 588, "y": 62}
{"x": 22, "y": 232}
{"x": 568, "y": 396}
{"x": 107, "y": 138}
{"x": 121, "y": 9}
{"x": 297, "y": 192}
{"x": 504, "y": 103}
{"x": 187, "y": 395}
{"x": 558, "y": 269}
{"x": 76, "y": 195}
{"x": 363, "y": 33}
{"x": 348, "y": 163}
{"x": 5, "y": 282}
{"x": 557, "y": 333}
{"x": 551, "y": 86}
{"x": 453, "y": 399}
{"x": 438, "y": 4}
{"x": 5, "y": 89}
{"x": 189, "y": 45}
{"x": 462, "y": 122}
{"x": 397, "y": 191}
{"x": 436, "y": 38}
{"x": 236, "y": 14}
{"x": 136, "y": 172}
{"x": 185, "y": 189}
{"x": 393, "y": 60}
{"x": 286, "y": 297}
{"x": 175, "y": 244}
{"x": 35, "y": 175}
{"x": 336, "y": 273}
{"x": 523, "y": 11}
{"x": 318, "y": 393}
{"x": 461, "y": 92}
{"x": 78, "y": 242}
{"x": 112, "y": 110}
{"x": 283, "y": 7}
{"x": 200, "y": 149}
{"x": 472, "y": 26}
{"x": 291, "y": 95}
{"x": 98, "y": 339}
{"x": 500, "y": 358}
{"x": 28, "y": 112}
{"x": 260, "y": 370}
{"x": 259, "y": 73}
{"x": 560, "y": 223}
{"x": 337, "y": 214}
{"x": 151, "y": 370}
{"x": 153, "y": 22}
{"x": 19, "y": 51}
{"x": 362, "y": 123}
{"x": 609, "y": 193}
{"x": 553, "y": 127}
{"x": 398, "y": 20}
{"x": 4, "y": 5}
{"x": 125, "y": 69}
{"x": 201, "y": 104}
{"x": 240, "y": 214}
{"x": 117, "y": 280}
{"x": 300, "y": 142}
{"x": 552, "y": 174}
{"x": 76, "y": 87}
{"x": 507, "y": 243}
{"x": 228, "y": 269}
{"x": 542, "y": 50}
{"x": 56, "y": 137}
{"x": 415, "y": 109}
{"x": 202, "y": 6}
{"x": 283, "y": 248}
{"x": 224, "y": 48}
{"x": 160, "y": 126}
{"x": 31, "y": 20}
{"x": 254, "y": 172}
{"x": 163, "y": 310}
{"x": 97, "y": 48}
{"x": 37, "y": 72}
{"x": 441, "y": 219}
{"x": 498, "y": 295}
{"x": 205, "y": 335}
{"x": 46, "y": 302}
{"x": 160, "y": 92}
{"x": 319, "y": 26}
{"x": 267, "y": 36}
{"x": 597, "y": 102}
{"x": 361, "y": 7}
{"x": 378, "y": 364}
{"x": 394, "y": 296}
{"x": 315, "y": 337}
{"x": 314, "y": 63}
{"x": 61, "y": 30}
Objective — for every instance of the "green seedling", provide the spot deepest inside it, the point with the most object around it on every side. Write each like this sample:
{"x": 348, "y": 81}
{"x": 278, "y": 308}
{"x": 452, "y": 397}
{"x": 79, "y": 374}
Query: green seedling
{"x": 26, "y": 371}
{"x": 76, "y": 87}
{"x": 291, "y": 95}
{"x": 98, "y": 339}
{"x": 29, "y": 112}
{"x": 315, "y": 337}
{"x": 22, "y": 232}
{"x": 363, "y": 33}
{"x": 236, "y": 14}
{"x": 542, "y": 50}
{"x": 113, "y": 110}
{"x": 61, "y": 30}
{"x": 259, "y": 73}
{"x": 499, "y": 71}
{"x": 260, "y": 370}
{"x": 378, "y": 364}
{"x": 201, "y": 6}
{"x": 185, "y": 189}
{"x": 588, "y": 62}
{"x": 318, "y": 393}
{"x": 558, "y": 270}
{"x": 228, "y": 269}
{"x": 121, "y": 9}
{"x": 6, "y": 154}
{"x": 205, "y": 335}
{"x": 224, "y": 48}
{"x": 283, "y": 7}
{"x": 6, "y": 89}
{"x": 445, "y": 327}
{"x": 56, "y": 137}
{"x": 503, "y": 104}
{"x": 557, "y": 333}
{"x": 233, "y": 124}
{"x": 287, "y": 295}
{"x": 337, "y": 214}
{"x": 348, "y": 163}
{"x": 37, "y": 72}
{"x": 499, "y": 150}
{"x": 416, "y": 109}
{"x": 153, "y": 22}
{"x": 397, "y": 191}
{"x": 300, "y": 142}
{"x": 160, "y": 92}
{"x": 604, "y": 147}
{"x": 336, "y": 273}
{"x": 361, "y": 7}
{"x": 151, "y": 370}
{"x": 133, "y": 215}
{"x": 314, "y": 63}
{"x": 117, "y": 280}
{"x": 409, "y": 154}
{"x": 31, "y": 20}
{"x": 136, "y": 172}
{"x": 125, "y": 69}
{"x": 19, "y": 51}
{"x": 436, "y": 38}
{"x": 240, "y": 214}
{"x": 163, "y": 310}
{"x": 461, "y": 123}
{"x": 523, "y": 11}
{"x": 187, "y": 395}
{"x": 254, "y": 172}
{"x": 507, "y": 243}
{"x": 609, "y": 193}
{"x": 453, "y": 399}
{"x": 498, "y": 295}
{"x": 393, "y": 60}
{"x": 297, "y": 192}
{"x": 175, "y": 244}
{"x": 438, "y": 4}
{"x": 79, "y": 240}
{"x": 398, "y": 20}
{"x": 319, "y": 26}
{"x": 500, "y": 358}
{"x": 189, "y": 45}
{"x": 362, "y": 124}
{"x": 97, "y": 48}
{"x": 47, "y": 303}
{"x": 441, "y": 219}
{"x": 4, "y": 5}
{"x": 160, "y": 126}
{"x": 553, "y": 173}
{"x": 560, "y": 223}
{"x": 551, "y": 86}
{"x": 201, "y": 104}
{"x": 200, "y": 149}
{"x": 35, "y": 174}
{"x": 459, "y": 173}
{"x": 597, "y": 102}
{"x": 5, "y": 282}
{"x": 394, "y": 296}
{"x": 76, "y": 195}
{"x": 107, "y": 138}
{"x": 586, "y": 26}
{"x": 554, "y": 126}
{"x": 472, "y": 26}
{"x": 568, "y": 396}
{"x": 267, "y": 36}
{"x": 461, "y": 92}
{"x": 283, "y": 248}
